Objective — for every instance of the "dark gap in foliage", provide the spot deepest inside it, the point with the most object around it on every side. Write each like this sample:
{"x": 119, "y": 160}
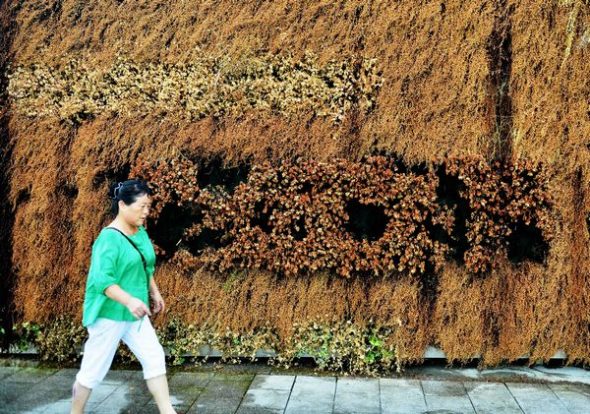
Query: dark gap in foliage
{"x": 7, "y": 277}
{"x": 169, "y": 41}
{"x": 400, "y": 165}
{"x": 23, "y": 197}
{"x": 118, "y": 174}
{"x": 417, "y": 169}
{"x": 366, "y": 221}
{"x": 77, "y": 118}
{"x": 437, "y": 232}
{"x": 262, "y": 218}
{"x": 448, "y": 193}
{"x": 499, "y": 51}
{"x": 429, "y": 280}
{"x": 298, "y": 231}
{"x": 527, "y": 243}
{"x": 67, "y": 190}
{"x": 207, "y": 238}
{"x": 305, "y": 188}
{"x": 76, "y": 13}
{"x": 8, "y": 11}
{"x": 169, "y": 230}
{"x": 588, "y": 223}
{"x": 429, "y": 283}
{"x": 52, "y": 10}
{"x": 214, "y": 173}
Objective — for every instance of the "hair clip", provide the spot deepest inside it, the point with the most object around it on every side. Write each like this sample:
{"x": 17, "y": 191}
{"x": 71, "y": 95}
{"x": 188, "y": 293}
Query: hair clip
{"x": 117, "y": 189}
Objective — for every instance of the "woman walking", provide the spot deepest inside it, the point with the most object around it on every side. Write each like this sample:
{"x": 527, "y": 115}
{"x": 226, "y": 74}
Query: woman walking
{"x": 116, "y": 302}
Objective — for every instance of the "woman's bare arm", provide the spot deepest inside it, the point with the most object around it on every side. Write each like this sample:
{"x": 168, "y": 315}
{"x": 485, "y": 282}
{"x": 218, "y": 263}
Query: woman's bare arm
{"x": 135, "y": 305}
{"x": 157, "y": 300}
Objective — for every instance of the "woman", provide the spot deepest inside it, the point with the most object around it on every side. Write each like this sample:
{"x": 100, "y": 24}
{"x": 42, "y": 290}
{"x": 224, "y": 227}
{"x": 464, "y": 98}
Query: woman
{"x": 116, "y": 304}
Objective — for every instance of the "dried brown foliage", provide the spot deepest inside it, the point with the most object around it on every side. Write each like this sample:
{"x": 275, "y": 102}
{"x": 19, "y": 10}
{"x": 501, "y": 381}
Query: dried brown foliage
{"x": 172, "y": 183}
{"x": 291, "y": 219}
{"x": 501, "y": 198}
{"x": 549, "y": 86}
{"x": 299, "y": 218}
{"x": 432, "y": 59}
{"x": 459, "y": 78}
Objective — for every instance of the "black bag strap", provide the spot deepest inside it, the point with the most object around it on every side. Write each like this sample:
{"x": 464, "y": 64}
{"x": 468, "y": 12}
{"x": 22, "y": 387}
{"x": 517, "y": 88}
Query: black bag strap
{"x": 135, "y": 247}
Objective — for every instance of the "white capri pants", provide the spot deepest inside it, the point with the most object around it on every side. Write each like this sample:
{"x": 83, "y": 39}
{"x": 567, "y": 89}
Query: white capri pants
{"x": 104, "y": 336}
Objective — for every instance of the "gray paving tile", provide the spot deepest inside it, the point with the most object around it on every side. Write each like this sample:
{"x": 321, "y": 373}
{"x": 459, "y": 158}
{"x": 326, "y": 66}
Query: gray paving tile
{"x": 186, "y": 387}
{"x": 446, "y": 395}
{"x": 312, "y": 395}
{"x": 536, "y": 398}
{"x": 62, "y": 406}
{"x": 11, "y": 391}
{"x": 124, "y": 376}
{"x": 6, "y": 409}
{"x": 227, "y": 386}
{"x": 67, "y": 373}
{"x": 31, "y": 390}
{"x": 122, "y": 409}
{"x": 180, "y": 403}
{"x": 129, "y": 396}
{"x": 6, "y": 372}
{"x": 39, "y": 395}
{"x": 146, "y": 409}
{"x": 401, "y": 396}
{"x": 501, "y": 374}
{"x": 102, "y": 392}
{"x": 215, "y": 406}
{"x": 576, "y": 397}
{"x": 231, "y": 378}
{"x": 491, "y": 398}
{"x": 265, "y": 398}
{"x": 273, "y": 382}
{"x": 357, "y": 395}
{"x": 223, "y": 394}
{"x": 564, "y": 374}
{"x": 31, "y": 375}
{"x": 23, "y": 408}
{"x": 258, "y": 410}
{"x": 193, "y": 379}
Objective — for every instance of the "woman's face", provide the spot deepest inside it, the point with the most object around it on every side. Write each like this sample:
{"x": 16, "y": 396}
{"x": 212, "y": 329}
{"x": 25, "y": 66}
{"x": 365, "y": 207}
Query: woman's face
{"x": 136, "y": 213}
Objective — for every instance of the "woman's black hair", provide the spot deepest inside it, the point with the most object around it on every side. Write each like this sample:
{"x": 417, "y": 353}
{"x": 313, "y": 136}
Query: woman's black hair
{"x": 127, "y": 192}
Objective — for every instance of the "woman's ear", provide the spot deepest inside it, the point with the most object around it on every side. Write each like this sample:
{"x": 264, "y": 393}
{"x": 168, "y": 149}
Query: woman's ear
{"x": 121, "y": 205}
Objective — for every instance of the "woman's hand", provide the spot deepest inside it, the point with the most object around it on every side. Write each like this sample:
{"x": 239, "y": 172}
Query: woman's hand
{"x": 157, "y": 301}
{"x": 137, "y": 308}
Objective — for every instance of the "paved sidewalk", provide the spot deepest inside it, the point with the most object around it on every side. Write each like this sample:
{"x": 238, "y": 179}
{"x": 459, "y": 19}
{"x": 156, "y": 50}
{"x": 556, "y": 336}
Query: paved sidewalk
{"x": 261, "y": 389}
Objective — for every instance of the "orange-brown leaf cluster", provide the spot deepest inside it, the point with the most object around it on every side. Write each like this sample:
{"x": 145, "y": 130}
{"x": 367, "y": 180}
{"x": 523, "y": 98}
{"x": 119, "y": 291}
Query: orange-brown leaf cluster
{"x": 503, "y": 198}
{"x": 369, "y": 217}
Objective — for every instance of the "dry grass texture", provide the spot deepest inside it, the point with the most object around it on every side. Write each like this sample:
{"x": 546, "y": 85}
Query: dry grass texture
{"x": 250, "y": 300}
{"x": 453, "y": 73}
{"x": 550, "y": 92}
{"x": 549, "y": 85}
{"x": 433, "y": 58}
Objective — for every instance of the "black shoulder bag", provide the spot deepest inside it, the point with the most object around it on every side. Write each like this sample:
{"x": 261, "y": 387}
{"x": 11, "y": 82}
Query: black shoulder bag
{"x": 143, "y": 261}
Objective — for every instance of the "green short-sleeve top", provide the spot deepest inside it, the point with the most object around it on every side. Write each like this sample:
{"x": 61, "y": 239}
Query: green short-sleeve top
{"x": 115, "y": 261}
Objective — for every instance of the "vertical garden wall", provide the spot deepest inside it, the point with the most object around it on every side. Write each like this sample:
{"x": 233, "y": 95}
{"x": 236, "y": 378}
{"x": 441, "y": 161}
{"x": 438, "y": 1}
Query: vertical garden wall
{"x": 7, "y": 278}
{"x": 352, "y": 178}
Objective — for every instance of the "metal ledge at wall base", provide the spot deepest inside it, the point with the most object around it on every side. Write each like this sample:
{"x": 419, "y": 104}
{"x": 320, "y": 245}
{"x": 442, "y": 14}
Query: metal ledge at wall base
{"x": 431, "y": 353}
{"x": 436, "y": 353}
